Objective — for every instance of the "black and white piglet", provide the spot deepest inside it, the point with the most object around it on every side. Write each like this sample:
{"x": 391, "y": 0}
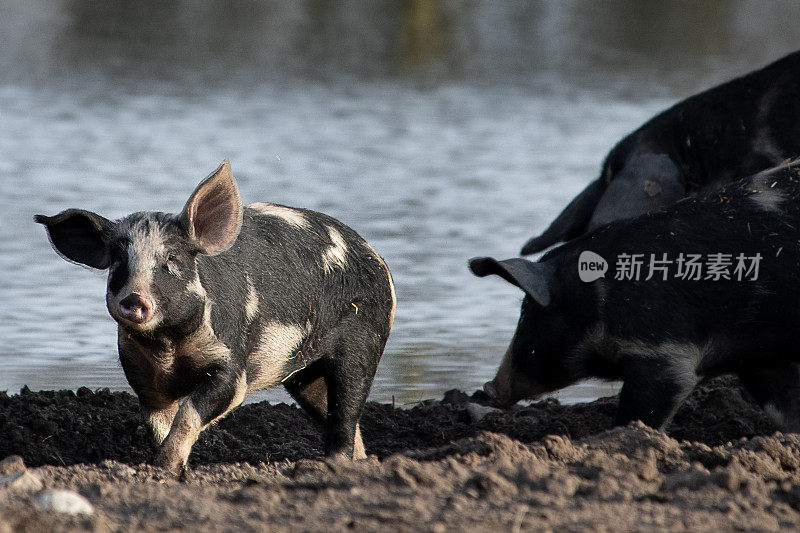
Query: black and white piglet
{"x": 715, "y": 137}
{"x": 224, "y": 299}
{"x": 674, "y": 323}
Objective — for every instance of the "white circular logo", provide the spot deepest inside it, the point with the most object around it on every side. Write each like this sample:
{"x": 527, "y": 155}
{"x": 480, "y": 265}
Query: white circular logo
{"x": 591, "y": 266}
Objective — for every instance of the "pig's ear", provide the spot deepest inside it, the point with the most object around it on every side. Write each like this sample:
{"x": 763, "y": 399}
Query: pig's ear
{"x": 213, "y": 214}
{"x": 79, "y": 236}
{"x": 533, "y": 278}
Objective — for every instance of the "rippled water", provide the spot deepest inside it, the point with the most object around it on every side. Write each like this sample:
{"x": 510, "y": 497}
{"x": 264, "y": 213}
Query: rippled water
{"x": 433, "y": 152}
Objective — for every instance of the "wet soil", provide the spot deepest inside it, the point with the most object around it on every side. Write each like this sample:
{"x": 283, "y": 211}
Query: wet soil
{"x": 440, "y": 466}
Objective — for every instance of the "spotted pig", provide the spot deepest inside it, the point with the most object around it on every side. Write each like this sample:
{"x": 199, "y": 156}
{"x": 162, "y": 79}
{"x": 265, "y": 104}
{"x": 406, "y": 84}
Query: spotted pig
{"x": 225, "y": 299}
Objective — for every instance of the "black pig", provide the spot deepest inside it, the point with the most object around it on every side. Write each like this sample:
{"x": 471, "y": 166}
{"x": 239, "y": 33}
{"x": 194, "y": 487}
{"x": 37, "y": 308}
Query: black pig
{"x": 224, "y": 299}
{"x": 662, "y": 335}
{"x": 703, "y": 142}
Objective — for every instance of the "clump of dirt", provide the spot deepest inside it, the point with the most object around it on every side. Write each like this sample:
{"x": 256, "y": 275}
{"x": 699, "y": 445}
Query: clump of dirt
{"x": 435, "y": 467}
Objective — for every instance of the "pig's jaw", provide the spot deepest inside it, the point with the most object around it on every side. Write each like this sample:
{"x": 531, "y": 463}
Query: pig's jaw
{"x": 500, "y": 396}
{"x": 503, "y": 394}
{"x": 491, "y": 391}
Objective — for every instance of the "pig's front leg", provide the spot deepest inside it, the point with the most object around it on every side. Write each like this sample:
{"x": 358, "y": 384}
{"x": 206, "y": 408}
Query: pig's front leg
{"x": 159, "y": 421}
{"x": 653, "y": 388}
{"x": 220, "y": 391}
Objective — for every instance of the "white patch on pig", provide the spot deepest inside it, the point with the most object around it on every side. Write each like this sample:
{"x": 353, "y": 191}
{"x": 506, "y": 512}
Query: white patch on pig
{"x": 276, "y": 346}
{"x": 359, "y": 452}
{"x": 173, "y": 270}
{"x": 336, "y": 253}
{"x": 196, "y": 287}
{"x": 394, "y": 295}
{"x": 251, "y": 305}
{"x": 291, "y": 216}
{"x": 768, "y": 199}
{"x": 764, "y": 193}
{"x": 391, "y": 283}
{"x": 160, "y": 421}
{"x": 145, "y": 250}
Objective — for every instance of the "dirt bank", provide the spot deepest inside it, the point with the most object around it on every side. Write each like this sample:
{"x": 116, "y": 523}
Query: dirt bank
{"x": 435, "y": 467}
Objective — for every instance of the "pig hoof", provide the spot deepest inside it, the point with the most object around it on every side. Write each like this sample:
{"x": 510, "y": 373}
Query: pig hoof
{"x": 174, "y": 467}
{"x": 342, "y": 455}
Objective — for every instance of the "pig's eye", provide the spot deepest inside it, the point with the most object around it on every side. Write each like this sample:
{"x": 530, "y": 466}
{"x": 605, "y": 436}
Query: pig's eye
{"x": 171, "y": 264}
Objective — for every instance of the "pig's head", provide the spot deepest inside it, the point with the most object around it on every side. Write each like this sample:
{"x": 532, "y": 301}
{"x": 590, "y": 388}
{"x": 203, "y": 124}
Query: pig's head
{"x": 153, "y": 281}
{"x": 534, "y": 362}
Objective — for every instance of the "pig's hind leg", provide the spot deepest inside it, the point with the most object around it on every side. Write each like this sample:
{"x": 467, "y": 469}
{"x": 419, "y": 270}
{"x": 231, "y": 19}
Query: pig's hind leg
{"x": 309, "y": 388}
{"x": 653, "y": 389}
{"x": 776, "y": 388}
{"x": 351, "y": 373}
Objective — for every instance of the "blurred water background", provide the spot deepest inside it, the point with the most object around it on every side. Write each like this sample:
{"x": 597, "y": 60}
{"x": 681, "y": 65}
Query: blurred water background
{"x": 439, "y": 130}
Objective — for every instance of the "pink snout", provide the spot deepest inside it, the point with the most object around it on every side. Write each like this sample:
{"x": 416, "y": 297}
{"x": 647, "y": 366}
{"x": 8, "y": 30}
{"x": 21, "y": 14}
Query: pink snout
{"x": 136, "y": 308}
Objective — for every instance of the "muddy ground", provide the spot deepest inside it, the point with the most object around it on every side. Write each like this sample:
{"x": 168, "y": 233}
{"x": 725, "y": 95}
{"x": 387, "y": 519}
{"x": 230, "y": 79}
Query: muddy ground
{"x": 436, "y": 467}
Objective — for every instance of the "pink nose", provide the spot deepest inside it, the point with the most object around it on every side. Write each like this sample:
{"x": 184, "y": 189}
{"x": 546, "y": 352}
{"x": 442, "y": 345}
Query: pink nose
{"x": 136, "y": 308}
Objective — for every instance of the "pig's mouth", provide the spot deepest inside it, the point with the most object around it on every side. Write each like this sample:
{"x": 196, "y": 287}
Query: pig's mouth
{"x": 497, "y": 399}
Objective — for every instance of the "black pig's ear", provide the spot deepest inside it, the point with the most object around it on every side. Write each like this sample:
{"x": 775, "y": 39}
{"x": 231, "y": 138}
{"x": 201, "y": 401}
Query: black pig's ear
{"x": 533, "y": 278}
{"x": 213, "y": 214}
{"x": 79, "y": 236}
